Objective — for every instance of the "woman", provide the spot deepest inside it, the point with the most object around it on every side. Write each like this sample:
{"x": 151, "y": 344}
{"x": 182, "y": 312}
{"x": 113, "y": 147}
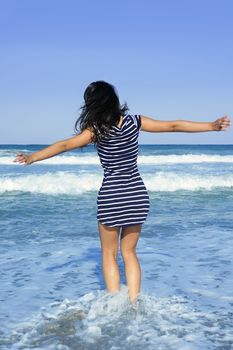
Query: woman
{"x": 123, "y": 201}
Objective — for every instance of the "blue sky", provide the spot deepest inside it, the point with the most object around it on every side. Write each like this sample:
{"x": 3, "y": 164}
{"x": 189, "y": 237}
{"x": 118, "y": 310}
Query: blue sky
{"x": 169, "y": 59}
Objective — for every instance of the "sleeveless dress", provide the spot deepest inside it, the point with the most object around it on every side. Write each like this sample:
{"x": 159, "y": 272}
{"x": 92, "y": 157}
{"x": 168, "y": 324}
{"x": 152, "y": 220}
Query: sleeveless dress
{"x": 122, "y": 199}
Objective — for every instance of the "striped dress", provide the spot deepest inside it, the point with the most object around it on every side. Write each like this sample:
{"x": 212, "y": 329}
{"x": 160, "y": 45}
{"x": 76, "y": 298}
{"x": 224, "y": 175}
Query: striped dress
{"x": 122, "y": 199}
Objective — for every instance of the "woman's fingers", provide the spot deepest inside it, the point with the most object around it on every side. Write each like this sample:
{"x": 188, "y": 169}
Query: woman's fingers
{"x": 221, "y": 124}
{"x": 225, "y": 123}
{"x": 21, "y": 158}
{"x": 17, "y": 158}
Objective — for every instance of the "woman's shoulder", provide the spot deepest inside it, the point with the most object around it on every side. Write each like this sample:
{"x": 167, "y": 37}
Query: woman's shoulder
{"x": 136, "y": 120}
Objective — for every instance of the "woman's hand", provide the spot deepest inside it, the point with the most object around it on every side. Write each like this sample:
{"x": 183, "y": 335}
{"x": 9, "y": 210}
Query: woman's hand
{"x": 26, "y": 159}
{"x": 221, "y": 124}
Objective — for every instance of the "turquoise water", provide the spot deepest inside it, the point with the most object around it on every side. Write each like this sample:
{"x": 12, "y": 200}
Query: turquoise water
{"x": 52, "y": 293}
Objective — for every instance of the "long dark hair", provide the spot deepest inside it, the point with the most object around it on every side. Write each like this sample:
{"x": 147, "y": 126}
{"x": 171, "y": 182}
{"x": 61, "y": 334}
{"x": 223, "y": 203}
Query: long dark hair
{"x": 100, "y": 110}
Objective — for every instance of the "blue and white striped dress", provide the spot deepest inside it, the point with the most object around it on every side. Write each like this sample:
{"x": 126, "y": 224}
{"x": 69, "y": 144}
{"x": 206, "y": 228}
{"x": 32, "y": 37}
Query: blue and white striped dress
{"x": 122, "y": 199}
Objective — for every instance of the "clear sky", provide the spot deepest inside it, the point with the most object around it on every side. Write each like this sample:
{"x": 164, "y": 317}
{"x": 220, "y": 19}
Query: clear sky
{"x": 169, "y": 59}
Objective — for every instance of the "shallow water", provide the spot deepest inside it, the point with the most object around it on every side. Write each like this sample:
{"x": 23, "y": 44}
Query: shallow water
{"x": 52, "y": 293}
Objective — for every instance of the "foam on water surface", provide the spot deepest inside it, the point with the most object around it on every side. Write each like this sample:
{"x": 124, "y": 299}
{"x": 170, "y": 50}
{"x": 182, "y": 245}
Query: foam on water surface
{"x": 109, "y": 321}
{"x": 71, "y": 183}
{"x": 5, "y": 159}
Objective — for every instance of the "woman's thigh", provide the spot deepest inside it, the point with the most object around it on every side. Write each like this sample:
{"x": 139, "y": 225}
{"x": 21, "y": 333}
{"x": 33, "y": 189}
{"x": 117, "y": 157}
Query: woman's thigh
{"x": 109, "y": 237}
{"x": 129, "y": 237}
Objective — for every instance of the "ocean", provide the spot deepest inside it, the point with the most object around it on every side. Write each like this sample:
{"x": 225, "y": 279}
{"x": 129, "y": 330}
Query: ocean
{"x": 52, "y": 293}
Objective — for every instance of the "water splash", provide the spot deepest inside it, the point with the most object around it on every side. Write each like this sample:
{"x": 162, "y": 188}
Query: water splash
{"x": 109, "y": 321}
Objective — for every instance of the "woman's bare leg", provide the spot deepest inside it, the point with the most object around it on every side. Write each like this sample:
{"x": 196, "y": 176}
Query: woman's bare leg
{"x": 128, "y": 243}
{"x": 109, "y": 244}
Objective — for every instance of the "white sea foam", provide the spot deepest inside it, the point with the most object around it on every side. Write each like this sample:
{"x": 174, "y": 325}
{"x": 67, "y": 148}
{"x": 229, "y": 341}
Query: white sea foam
{"x": 151, "y": 159}
{"x": 103, "y": 320}
{"x": 185, "y": 158}
{"x": 61, "y": 182}
{"x": 51, "y": 183}
{"x": 57, "y": 160}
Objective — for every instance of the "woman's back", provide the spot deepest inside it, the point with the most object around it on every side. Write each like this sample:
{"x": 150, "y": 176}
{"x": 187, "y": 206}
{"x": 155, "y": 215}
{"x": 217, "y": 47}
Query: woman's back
{"x": 123, "y": 199}
{"x": 118, "y": 150}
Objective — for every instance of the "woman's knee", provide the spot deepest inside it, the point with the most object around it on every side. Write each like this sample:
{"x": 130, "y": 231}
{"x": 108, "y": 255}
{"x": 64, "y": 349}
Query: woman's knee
{"x": 128, "y": 253}
{"x": 110, "y": 254}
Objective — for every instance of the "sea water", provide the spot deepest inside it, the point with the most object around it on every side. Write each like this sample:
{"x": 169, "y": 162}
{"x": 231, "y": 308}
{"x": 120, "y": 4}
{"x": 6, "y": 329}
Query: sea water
{"x": 52, "y": 292}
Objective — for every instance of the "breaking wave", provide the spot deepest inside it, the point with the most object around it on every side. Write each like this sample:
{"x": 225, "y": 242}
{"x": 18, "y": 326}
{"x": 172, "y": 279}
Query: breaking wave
{"x": 61, "y": 182}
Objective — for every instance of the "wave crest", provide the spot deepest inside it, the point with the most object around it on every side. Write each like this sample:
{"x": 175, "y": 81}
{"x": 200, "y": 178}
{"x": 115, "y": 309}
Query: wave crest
{"x": 151, "y": 159}
{"x": 62, "y": 182}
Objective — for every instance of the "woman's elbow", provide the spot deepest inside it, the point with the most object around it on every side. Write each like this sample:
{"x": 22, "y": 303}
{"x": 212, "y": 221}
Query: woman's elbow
{"x": 176, "y": 126}
{"x": 62, "y": 145}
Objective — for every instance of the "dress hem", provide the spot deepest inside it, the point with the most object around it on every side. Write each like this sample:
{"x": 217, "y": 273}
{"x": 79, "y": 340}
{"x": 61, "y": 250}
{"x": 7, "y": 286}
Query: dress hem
{"x": 122, "y": 225}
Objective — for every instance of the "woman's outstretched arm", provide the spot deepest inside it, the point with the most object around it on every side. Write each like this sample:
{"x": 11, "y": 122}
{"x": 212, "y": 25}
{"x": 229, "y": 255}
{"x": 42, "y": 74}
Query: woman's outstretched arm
{"x": 80, "y": 140}
{"x": 153, "y": 125}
